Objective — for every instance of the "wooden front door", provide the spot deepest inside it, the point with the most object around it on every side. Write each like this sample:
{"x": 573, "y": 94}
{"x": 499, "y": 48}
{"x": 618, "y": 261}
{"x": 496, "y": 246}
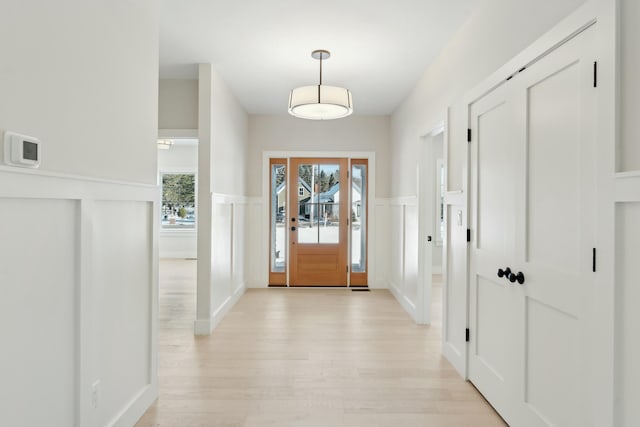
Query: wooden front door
{"x": 318, "y": 221}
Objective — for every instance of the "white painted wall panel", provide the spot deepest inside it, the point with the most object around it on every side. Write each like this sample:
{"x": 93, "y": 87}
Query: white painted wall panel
{"x": 382, "y": 245}
{"x": 396, "y": 246}
{"x": 627, "y": 315}
{"x": 221, "y": 254}
{"x": 122, "y": 279}
{"x": 222, "y": 172}
{"x": 410, "y": 261}
{"x": 38, "y": 313}
{"x": 455, "y": 308}
{"x": 239, "y": 241}
{"x": 256, "y": 267}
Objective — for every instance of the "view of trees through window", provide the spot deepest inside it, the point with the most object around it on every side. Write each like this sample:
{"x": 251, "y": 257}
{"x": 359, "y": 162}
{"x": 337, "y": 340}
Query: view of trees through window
{"x": 178, "y": 201}
{"x": 323, "y": 180}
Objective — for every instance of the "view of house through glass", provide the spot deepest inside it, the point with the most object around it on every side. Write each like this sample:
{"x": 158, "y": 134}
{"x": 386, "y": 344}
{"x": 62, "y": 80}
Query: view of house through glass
{"x": 318, "y": 203}
{"x": 178, "y": 201}
{"x": 278, "y": 214}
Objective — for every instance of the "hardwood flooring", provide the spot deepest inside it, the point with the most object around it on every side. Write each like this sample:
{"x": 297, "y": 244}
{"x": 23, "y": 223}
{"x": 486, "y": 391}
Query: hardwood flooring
{"x": 307, "y": 358}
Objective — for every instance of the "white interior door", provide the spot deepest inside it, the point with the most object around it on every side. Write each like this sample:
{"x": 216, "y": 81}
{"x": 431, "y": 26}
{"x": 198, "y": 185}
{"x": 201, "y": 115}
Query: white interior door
{"x": 494, "y": 303}
{"x": 533, "y": 178}
{"x": 555, "y": 231}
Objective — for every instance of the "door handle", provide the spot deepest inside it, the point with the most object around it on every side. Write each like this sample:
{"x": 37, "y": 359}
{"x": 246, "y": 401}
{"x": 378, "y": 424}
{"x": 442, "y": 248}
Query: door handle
{"x": 517, "y": 278}
{"x": 504, "y": 273}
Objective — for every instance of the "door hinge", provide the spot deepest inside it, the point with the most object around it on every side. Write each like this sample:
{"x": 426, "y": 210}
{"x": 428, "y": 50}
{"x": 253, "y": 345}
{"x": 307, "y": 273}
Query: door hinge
{"x": 468, "y": 235}
{"x": 466, "y": 335}
{"x": 595, "y": 74}
{"x": 347, "y": 174}
{"x": 594, "y": 260}
{"x": 468, "y": 135}
{"x": 347, "y": 268}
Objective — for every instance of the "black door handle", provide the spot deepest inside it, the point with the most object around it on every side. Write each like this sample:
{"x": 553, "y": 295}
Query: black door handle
{"x": 504, "y": 273}
{"x": 293, "y": 229}
{"x": 517, "y": 278}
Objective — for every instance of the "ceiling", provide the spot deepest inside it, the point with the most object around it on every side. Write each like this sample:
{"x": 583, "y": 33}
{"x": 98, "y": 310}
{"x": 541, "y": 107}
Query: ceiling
{"x": 262, "y": 49}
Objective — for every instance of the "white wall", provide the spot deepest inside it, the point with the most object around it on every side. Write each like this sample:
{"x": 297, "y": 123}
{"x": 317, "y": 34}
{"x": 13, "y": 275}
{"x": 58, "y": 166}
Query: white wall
{"x": 287, "y": 134}
{"x": 178, "y": 104}
{"x": 182, "y": 157}
{"x": 222, "y": 218}
{"x": 497, "y": 31}
{"x": 77, "y": 253}
{"x": 83, "y": 79}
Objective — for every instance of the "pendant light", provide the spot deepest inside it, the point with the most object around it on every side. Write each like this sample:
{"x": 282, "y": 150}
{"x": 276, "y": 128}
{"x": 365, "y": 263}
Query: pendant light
{"x": 320, "y": 102}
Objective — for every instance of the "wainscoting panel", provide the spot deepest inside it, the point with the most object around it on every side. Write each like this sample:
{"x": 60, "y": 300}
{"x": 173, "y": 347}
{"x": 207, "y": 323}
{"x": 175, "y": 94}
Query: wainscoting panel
{"x": 403, "y": 252}
{"x": 455, "y": 292}
{"x": 228, "y": 254}
{"x": 122, "y": 240}
{"x": 78, "y": 274}
{"x": 39, "y": 285}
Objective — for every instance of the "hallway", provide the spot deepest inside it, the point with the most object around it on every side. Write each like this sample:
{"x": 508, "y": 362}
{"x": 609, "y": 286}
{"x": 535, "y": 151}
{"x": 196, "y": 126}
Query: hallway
{"x": 305, "y": 357}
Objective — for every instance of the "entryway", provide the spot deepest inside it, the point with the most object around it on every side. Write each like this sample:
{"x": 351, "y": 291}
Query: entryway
{"x": 318, "y": 221}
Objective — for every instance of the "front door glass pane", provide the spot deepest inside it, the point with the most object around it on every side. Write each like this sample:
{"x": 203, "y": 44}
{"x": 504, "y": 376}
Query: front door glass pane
{"x": 278, "y": 218}
{"x": 318, "y": 204}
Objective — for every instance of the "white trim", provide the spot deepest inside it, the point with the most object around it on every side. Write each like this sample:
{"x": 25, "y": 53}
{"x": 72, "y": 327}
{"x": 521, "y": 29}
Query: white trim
{"x": 205, "y": 327}
{"x": 403, "y": 201}
{"x": 405, "y": 302}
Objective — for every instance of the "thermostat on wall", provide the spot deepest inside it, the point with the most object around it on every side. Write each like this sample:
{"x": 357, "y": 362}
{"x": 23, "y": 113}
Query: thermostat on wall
{"x": 21, "y": 150}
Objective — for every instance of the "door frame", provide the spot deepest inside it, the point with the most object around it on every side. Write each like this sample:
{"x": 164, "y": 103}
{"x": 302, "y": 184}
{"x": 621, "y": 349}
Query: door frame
{"x": 370, "y": 156}
{"x": 427, "y": 183}
{"x": 600, "y": 380}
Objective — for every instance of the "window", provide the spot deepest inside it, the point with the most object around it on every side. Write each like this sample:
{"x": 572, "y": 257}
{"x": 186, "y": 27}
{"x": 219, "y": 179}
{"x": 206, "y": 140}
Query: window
{"x": 178, "y": 201}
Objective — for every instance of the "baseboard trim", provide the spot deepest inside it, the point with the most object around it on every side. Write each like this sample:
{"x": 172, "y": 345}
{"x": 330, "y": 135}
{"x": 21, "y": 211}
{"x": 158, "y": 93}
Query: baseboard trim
{"x": 453, "y": 355}
{"x": 405, "y": 302}
{"x": 205, "y": 327}
{"x": 136, "y": 408}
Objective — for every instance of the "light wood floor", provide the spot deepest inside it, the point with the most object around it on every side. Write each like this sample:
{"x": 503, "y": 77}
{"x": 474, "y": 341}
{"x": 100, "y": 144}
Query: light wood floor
{"x": 305, "y": 357}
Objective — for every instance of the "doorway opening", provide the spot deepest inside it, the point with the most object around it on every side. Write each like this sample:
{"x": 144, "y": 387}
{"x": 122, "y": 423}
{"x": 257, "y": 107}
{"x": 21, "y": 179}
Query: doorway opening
{"x": 318, "y": 221}
{"x": 178, "y": 239}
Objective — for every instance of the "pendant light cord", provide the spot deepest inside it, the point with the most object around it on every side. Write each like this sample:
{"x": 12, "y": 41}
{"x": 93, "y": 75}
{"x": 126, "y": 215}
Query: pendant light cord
{"x": 321, "y": 56}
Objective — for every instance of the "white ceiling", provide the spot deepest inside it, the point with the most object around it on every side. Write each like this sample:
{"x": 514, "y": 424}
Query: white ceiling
{"x": 262, "y": 48}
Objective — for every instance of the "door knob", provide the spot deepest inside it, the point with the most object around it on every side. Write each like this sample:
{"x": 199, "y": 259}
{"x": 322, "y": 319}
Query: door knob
{"x": 517, "y": 278}
{"x": 293, "y": 229}
{"x": 504, "y": 273}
